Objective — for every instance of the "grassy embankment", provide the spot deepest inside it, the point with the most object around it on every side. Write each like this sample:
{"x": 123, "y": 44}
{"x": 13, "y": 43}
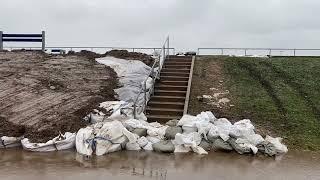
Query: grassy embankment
{"x": 280, "y": 95}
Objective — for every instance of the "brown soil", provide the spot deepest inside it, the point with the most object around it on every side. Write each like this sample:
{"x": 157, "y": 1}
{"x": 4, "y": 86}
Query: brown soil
{"x": 209, "y": 74}
{"x": 42, "y": 95}
{"x": 124, "y": 54}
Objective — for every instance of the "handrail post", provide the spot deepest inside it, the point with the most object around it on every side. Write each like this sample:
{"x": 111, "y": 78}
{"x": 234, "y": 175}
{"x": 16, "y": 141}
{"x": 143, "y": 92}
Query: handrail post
{"x": 245, "y": 52}
{"x": 1, "y": 42}
{"x": 134, "y": 111}
{"x": 269, "y": 52}
{"x": 145, "y": 97}
{"x": 43, "y": 41}
{"x": 222, "y": 51}
{"x": 294, "y": 52}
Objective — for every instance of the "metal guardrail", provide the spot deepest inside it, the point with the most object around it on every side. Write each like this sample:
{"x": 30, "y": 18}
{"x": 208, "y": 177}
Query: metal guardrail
{"x": 269, "y": 51}
{"x": 154, "y": 74}
{"x": 91, "y": 48}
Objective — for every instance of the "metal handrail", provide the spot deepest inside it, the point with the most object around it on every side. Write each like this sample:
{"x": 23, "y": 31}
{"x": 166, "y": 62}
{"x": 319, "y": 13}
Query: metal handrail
{"x": 154, "y": 74}
{"x": 245, "y": 50}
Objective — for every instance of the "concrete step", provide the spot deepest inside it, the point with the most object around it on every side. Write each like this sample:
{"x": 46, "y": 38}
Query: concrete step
{"x": 168, "y": 98}
{"x": 169, "y": 87}
{"x": 178, "y": 60}
{"x": 164, "y": 111}
{"x": 173, "y": 78}
{"x": 173, "y": 105}
{"x": 178, "y": 74}
{"x": 165, "y": 69}
{"x": 174, "y": 83}
{"x": 177, "y": 63}
{"x": 169, "y": 93}
{"x": 161, "y": 118}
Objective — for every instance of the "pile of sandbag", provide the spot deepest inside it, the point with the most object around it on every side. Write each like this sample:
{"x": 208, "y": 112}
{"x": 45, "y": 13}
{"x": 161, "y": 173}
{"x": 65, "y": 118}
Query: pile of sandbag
{"x": 221, "y": 134}
{"x": 199, "y": 134}
{"x": 106, "y": 137}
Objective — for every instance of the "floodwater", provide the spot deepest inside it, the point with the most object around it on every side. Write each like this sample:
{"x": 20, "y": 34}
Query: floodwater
{"x": 18, "y": 164}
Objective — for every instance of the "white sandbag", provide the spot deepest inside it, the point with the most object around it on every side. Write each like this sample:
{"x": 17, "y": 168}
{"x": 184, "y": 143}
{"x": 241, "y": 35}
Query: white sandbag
{"x": 143, "y": 141}
{"x": 245, "y": 144}
{"x": 66, "y": 141}
{"x": 38, "y": 147}
{"x": 148, "y": 147}
{"x": 114, "y": 148}
{"x": 224, "y": 127}
{"x": 213, "y": 132}
{"x": 157, "y": 131}
{"x": 131, "y": 136}
{"x": 187, "y": 120}
{"x": 206, "y": 116}
{"x": 192, "y": 139}
{"x": 203, "y": 128}
{"x": 110, "y": 130}
{"x": 152, "y": 139}
{"x": 120, "y": 140}
{"x": 242, "y": 128}
{"x": 276, "y": 142}
{"x": 102, "y": 146}
{"x": 61, "y": 142}
{"x": 9, "y": 142}
{"x": 199, "y": 150}
{"x": 188, "y": 129}
{"x": 82, "y": 145}
{"x": 181, "y": 149}
{"x": 132, "y": 146}
{"x": 134, "y": 123}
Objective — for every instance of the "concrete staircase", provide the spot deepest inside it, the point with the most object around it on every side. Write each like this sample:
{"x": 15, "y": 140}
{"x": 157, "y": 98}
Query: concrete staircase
{"x": 171, "y": 92}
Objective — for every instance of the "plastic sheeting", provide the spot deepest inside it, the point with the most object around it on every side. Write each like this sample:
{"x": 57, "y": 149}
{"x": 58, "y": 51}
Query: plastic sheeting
{"x": 131, "y": 75}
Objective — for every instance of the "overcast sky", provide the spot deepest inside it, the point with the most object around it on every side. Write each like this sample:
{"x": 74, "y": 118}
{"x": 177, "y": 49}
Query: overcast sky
{"x": 190, "y": 23}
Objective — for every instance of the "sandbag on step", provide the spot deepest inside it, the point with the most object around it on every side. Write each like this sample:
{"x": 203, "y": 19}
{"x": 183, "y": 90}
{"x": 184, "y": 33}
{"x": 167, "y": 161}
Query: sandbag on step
{"x": 10, "y": 142}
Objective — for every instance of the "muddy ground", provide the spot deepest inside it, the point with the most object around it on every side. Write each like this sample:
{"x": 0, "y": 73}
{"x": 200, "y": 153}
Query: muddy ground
{"x": 42, "y": 95}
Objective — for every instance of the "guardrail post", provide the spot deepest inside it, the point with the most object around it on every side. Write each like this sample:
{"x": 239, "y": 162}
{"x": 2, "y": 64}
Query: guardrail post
{"x": 245, "y": 52}
{"x": 1, "y": 42}
{"x": 222, "y": 52}
{"x": 294, "y": 52}
{"x": 43, "y": 41}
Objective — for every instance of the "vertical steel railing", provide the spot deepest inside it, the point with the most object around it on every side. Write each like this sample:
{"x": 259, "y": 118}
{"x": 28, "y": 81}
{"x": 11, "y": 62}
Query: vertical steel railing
{"x": 154, "y": 74}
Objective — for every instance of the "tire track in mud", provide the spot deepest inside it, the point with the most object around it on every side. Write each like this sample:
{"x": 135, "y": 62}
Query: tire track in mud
{"x": 289, "y": 80}
{"x": 255, "y": 74}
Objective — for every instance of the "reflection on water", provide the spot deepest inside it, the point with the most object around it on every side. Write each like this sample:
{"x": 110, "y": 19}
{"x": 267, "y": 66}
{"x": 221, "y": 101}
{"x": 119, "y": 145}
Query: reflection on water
{"x": 18, "y": 164}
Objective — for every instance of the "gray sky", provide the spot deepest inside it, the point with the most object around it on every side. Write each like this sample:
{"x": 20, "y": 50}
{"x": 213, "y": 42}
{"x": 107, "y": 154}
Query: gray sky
{"x": 190, "y": 23}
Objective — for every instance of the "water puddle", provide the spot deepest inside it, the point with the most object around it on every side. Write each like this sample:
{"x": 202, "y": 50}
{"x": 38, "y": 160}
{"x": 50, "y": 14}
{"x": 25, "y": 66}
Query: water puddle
{"x": 18, "y": 164}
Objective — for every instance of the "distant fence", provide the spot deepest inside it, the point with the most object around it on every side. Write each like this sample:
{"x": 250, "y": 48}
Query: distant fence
{"x": 99, "y": 49}
{"x": 23, "y": 38}
{"x": 259, "y": 51}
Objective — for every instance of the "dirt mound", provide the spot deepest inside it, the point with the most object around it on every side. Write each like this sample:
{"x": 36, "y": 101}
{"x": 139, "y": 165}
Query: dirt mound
{"x": 88, "y": 54}
{"x": 124, "y": 54}
{"x": 43, "y": 95}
